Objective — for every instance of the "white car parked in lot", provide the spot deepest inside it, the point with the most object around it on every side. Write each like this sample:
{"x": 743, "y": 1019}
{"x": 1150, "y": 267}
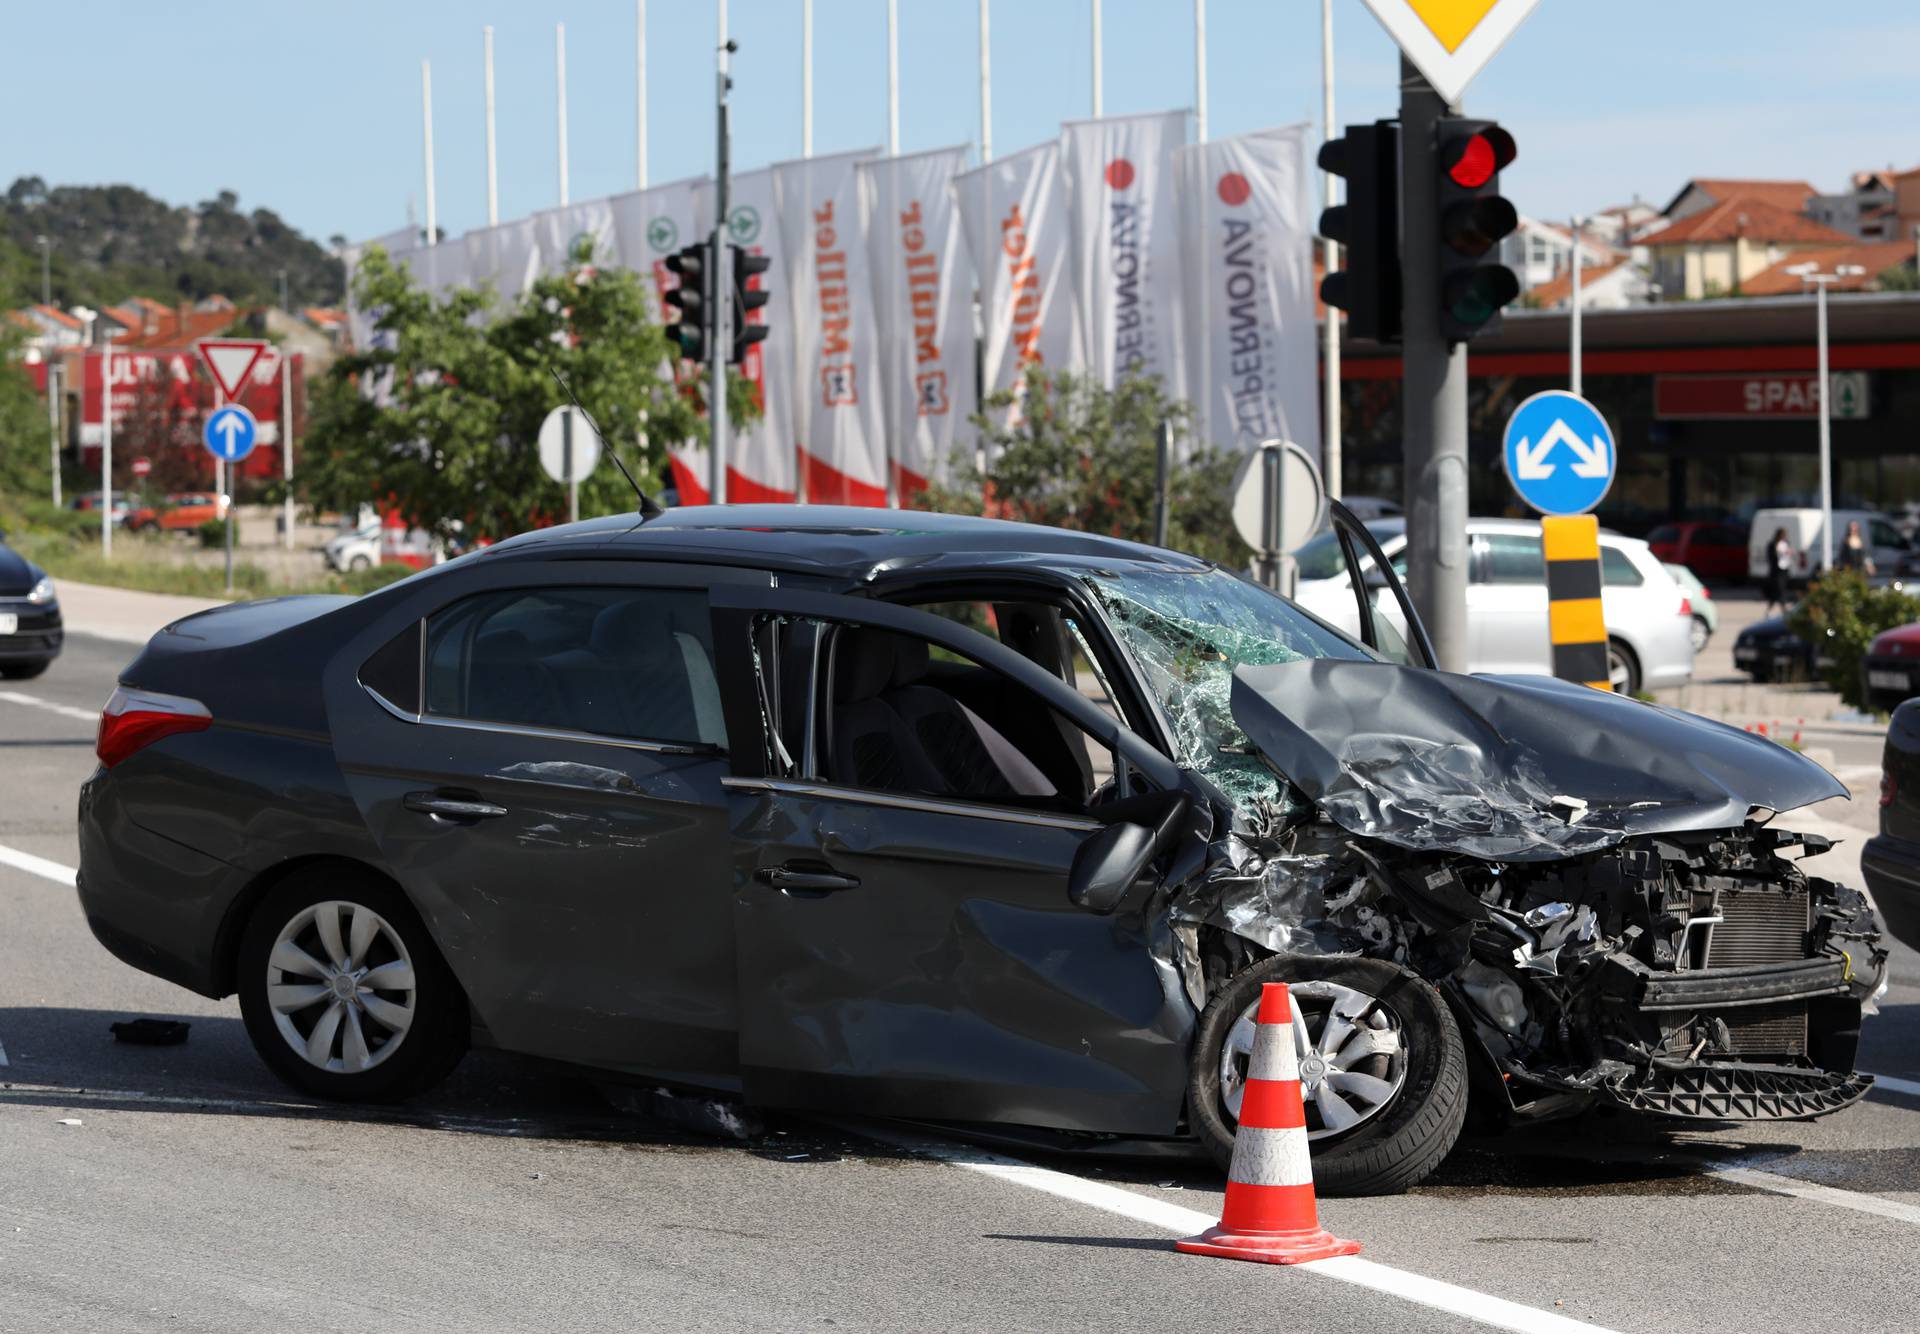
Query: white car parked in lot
{"x": 1649, "y": 620}
{"x": 358, "y": 549}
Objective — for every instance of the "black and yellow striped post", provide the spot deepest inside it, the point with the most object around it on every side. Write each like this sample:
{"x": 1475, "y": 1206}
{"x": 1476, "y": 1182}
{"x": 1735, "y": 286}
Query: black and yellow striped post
{"x": 1575, "y": 624}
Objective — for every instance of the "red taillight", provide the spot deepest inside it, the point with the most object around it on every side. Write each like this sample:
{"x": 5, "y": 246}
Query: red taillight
{"x": 135, "y": 719}
{"x": 1686, "y": 605}
{"x": 1887, "y": 787}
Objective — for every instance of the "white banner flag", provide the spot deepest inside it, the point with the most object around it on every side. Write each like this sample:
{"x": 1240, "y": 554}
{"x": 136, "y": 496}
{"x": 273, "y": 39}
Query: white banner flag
{"x": 1013, "y": 213}
{"x": 564, "y": 232}
{"x": 649, "y": 226}
{"x": 1126, "y": 230}
{"x": 396, "y": 243}
{"x": 1249, "y": 242}
{"x": 838, "y": 395}
{"x": 507, "y": 256}
{"x": 923, "y": 305}
{"x": 763, "y": 465}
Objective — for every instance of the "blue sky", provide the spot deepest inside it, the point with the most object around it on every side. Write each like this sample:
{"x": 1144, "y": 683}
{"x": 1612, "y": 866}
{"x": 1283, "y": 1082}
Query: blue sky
{"x": 314, "y": 109}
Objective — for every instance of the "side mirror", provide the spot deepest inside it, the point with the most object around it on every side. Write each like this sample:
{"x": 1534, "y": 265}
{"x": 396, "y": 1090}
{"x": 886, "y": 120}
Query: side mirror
{"x": 1107, "y": 865}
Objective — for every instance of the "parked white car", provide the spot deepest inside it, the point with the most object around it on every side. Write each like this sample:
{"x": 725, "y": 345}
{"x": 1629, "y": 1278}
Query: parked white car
{"x": 1892, "y": 552}
{"x": 1649, "y": 620}
{"x": 355, "y": 550}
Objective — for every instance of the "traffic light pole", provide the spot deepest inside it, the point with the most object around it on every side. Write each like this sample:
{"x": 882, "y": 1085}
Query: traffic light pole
{"x": 718, "y": 281}
{"x": 1434, "y": 391}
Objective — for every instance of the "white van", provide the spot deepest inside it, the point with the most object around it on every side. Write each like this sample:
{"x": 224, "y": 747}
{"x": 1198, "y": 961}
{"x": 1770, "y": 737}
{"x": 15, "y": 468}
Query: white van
{"x": 1891, "y": 552}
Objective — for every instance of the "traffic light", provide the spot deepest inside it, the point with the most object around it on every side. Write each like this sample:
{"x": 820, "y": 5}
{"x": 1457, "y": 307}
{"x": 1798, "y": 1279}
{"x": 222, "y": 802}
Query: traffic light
{"x": 689, "y": 300}
{"x": 748, "y": 296}
{"x": 1473, "y": 219}
{"x": 1368, "y": 226}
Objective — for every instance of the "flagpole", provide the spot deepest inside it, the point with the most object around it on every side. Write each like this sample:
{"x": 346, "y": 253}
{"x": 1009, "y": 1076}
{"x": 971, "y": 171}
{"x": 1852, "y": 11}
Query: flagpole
{"x": 1330, "y": 258}
{"x": 806, "y": 78}
{"x": 1096, "y": 59}
{"x": 893, "y": 78}
{"x": 493, "y": 165}
{"x": 560, "y": 91}
{"x": 426, "y": 140}
{"x": 1200, "y": 68}
{"x": 986, "y": 88}
{"x": 640, "y": 94}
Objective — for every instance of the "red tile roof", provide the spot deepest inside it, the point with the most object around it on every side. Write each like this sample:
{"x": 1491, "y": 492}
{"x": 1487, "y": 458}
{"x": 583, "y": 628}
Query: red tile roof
{"x": 1749, "y": 217}
{"x": 1558, "y": 290}
{"x": 1789, "y": 195}
{"x": 1874, "y": 257}
{"x": 58, "y": 316}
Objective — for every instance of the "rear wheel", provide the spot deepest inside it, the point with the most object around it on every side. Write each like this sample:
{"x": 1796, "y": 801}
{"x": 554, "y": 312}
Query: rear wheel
{"x": 1623, "y": 669}
{"x": 1700, "y": 634}
{"x": 343, "y": 992}
{"x": 359, "y": 563}
{"x": 1382, "y": 1070}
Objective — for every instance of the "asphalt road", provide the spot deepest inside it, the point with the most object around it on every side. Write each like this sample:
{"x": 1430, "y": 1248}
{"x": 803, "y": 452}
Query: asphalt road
{"x": 182, "y": 1188}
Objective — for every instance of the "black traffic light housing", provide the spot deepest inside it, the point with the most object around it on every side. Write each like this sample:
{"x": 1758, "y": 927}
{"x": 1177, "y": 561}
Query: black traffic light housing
{"x": 1473, "y": 220}
{"x": 688, "y": 302}
{"x": 748, "y": 296}
{"x": 1368, "y": 227}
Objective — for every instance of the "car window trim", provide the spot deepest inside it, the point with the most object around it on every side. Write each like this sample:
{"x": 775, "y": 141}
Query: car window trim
{"x": 652, "y": 745}
{"x": 903, "y": 801}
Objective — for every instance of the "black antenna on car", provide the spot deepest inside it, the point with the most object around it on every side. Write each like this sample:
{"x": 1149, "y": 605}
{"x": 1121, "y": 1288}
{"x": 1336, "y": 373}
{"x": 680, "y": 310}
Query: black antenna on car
{"x": 648, "y": 509}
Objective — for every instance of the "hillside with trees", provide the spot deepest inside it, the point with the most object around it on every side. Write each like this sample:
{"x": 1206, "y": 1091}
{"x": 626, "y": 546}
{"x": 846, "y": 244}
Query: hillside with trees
{"x": 110, "y": 242}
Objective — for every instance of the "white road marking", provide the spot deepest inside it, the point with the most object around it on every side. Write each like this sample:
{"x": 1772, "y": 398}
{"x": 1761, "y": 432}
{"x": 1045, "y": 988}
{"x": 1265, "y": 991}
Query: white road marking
{"x": 1482, "y": 1307}
{"x": 1907, "y": 1086}
{"x": 64, "y": 710}
{"x": 26, "y": 861}
{"x": 1818, "y": 1194}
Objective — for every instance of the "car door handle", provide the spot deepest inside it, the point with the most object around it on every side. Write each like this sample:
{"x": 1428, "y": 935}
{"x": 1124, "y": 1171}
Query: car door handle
{"x": 807, "y": 883}
{"x": 458, "y": 810}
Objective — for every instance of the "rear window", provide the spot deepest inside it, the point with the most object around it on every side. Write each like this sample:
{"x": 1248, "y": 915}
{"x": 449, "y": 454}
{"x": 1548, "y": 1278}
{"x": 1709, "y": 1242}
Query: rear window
{"x": 1515, "y": 558}
{"x": 617, "y": 662}
{"x": 1617, "y": 569}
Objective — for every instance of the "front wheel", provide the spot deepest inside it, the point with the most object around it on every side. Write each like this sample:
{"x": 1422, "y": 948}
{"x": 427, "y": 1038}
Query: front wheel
{"x": 1623, "y": 669}
{"x": 1383, "y": 1071}
{"x": 1700, "y": 633}
{"x": 343, "y": 992}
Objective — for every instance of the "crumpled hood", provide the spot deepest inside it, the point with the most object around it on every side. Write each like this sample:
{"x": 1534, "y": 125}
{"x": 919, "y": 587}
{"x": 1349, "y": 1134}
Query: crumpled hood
{"x": 1474, "y": 764}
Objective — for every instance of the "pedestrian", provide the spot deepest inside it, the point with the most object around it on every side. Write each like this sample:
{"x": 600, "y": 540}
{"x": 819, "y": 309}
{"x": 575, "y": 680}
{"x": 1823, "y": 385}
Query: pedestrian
{"x": 1779, "y": 562}
{"x": 1853, "y": 550}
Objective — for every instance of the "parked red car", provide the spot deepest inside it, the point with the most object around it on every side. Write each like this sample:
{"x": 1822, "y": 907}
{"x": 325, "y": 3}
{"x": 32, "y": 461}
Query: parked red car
{"x": 1891, "y": 669}
{"x": 180, "y": 513}
{"x": 1717, "y": 552}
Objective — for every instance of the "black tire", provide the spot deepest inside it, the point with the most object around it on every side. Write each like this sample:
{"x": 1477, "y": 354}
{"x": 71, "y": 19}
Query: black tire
{"x": 1397, "y": 1147}
{"x": 1620, "y": 656}
{"x": 359, "y": 563}
{"x": 431, "y": 1045}
{"x": 24, "y": 671}
{"x": 1703, "y": 633}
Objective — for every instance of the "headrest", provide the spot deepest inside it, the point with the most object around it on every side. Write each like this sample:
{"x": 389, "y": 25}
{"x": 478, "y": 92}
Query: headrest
{"x": 863, "y": 664}
{"x": 635, "y": 631}
{"x": 909, "y": 660}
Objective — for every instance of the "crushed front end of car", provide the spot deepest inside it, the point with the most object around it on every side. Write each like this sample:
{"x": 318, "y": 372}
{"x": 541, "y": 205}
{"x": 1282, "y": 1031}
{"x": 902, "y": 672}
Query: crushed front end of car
{"x": 1592, "y": 883}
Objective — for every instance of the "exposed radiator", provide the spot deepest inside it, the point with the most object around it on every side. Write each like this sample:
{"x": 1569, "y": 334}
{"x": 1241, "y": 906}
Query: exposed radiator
{"x": 1768, "y": 1030}
{"x": 1761, "y": 926}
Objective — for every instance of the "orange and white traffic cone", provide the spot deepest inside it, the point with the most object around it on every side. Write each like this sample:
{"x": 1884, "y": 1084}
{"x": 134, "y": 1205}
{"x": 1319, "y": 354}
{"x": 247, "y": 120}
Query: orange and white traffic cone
{"x": 1270, "y": 1213}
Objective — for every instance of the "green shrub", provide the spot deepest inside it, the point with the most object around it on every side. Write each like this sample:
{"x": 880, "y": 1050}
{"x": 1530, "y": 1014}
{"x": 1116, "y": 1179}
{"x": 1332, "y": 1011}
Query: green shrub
{"x": 1840, "y": 616}
{"x": 213, "y": 534}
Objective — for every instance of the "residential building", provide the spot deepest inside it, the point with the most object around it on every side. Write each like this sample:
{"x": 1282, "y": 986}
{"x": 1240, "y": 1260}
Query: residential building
{"x": 1871, "y": 259}
{"x": 1865, "y": 211}
{"x": 1538, "y": 251}
{"x": 1712, "y": 251}
{"x": 46, "y": 329}
{"x": 1704, "y": 192}
{"x": 1614, "y": 285}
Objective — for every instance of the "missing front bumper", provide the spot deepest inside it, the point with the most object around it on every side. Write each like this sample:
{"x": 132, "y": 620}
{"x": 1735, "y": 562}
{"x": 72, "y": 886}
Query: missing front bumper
{"x": 1737, "y": 1092}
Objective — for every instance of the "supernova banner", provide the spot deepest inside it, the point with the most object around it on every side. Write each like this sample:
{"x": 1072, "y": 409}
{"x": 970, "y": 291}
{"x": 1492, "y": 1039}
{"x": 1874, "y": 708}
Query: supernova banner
{"x": 1252, "y": 356}
{"x": 1013, "y": 213}
{"x": 836, "y": 339}
{"x": 1126, "y": 234}
{"x": 923, "y": 290}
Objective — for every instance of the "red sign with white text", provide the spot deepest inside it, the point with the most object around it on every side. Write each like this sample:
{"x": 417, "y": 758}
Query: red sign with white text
{"x": 1760, "y": 395}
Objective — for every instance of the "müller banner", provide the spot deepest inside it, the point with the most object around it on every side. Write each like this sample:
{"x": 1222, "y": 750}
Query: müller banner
{"x": 1013, "y": 213}
{"x": 1252, "y": 358}
{"x": 923, "y": 290}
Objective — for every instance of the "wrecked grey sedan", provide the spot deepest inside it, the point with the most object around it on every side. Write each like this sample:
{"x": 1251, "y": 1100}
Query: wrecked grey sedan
{"x": 980, "y": 823}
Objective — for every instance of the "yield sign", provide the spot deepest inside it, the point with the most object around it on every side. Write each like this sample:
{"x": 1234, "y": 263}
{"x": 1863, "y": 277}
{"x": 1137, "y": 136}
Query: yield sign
{"x": 1450, "y": 41}
{"x": 230, "y": 361}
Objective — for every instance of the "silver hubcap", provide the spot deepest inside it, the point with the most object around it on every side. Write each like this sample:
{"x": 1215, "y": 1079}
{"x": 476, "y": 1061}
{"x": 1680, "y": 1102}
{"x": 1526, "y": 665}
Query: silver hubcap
{"x": 1617, "y": 674}
{"x": 340, "y": 984}
{"x": 1352, "y": 1061}
{"x": 1700, "y": 635}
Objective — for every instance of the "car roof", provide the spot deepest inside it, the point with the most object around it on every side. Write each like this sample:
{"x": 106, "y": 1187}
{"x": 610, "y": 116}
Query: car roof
{"x": 834, "y": 539}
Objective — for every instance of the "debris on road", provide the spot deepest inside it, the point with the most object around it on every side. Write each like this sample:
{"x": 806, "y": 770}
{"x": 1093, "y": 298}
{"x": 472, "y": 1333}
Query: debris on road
{"x": 151, "y": 1032}
{"x": 68, "y": 1121}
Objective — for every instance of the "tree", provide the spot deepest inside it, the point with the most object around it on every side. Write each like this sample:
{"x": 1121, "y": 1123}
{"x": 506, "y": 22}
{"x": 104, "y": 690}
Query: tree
{"x": 439, "y": 419}
{"x": 1066, "y": 451}
{"x": 24, "y": 430}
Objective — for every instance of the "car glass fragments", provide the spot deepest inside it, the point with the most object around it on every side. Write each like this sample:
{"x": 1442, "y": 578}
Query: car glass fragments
{"x": 1188, "y": 631}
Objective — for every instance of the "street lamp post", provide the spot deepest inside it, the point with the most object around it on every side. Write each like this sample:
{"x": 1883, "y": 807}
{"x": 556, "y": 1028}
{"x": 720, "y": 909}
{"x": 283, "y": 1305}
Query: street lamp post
{"x": 1809, "y": 273}
{"x": 106, "y": 443}
{"x": 46, "y": 270}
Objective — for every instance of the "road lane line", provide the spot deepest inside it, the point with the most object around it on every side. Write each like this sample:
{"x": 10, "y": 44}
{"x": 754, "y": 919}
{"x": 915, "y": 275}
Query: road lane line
{"x": 26, "y": 861}
{"x": 64, "y": 710}
{"x": 1907, "y": 1086}
{"x": 1818, "y": 1194}
{"x": 1481, "y": 1307}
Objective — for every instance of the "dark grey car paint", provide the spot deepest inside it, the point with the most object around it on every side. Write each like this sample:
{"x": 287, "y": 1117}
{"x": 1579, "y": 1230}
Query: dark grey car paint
{"x": 1479, "y": 764}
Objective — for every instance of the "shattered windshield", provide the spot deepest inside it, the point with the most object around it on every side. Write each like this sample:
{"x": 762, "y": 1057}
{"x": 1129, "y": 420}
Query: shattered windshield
{"x": 1188, "y": 630}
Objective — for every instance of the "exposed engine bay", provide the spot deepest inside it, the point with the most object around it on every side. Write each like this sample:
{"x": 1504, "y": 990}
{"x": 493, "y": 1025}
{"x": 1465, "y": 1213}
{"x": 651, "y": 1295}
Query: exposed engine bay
{"x": 1693, "y": 975}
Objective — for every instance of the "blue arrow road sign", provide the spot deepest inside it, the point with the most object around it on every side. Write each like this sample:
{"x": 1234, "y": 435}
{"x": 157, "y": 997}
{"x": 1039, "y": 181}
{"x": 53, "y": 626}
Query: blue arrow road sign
{"x": 230, "y": 433}
{"x": 1559, "y": 453}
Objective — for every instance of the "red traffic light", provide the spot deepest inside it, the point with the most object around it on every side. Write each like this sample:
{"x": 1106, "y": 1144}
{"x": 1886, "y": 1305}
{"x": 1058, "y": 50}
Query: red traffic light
{"x": 1478, "y": 158}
